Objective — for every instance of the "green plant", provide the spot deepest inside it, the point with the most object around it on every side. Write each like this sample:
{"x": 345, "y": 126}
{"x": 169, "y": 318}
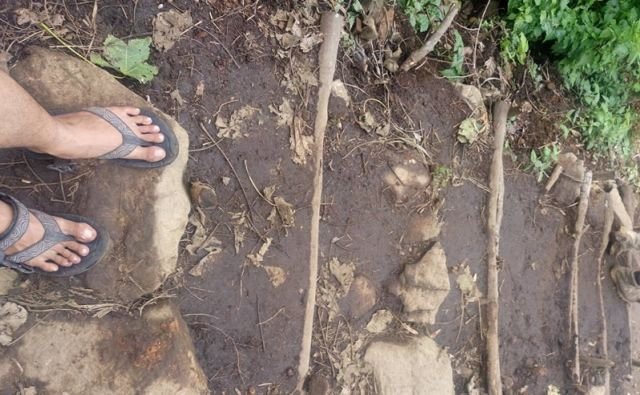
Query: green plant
{"x": 596, "y": 45}
{"x": 455, "y": 71}
{"x": 441, "y": 176}
{"x": 540, "y": 162}
{"x": 130, "y": 58}
{"x": 422, "y": 13}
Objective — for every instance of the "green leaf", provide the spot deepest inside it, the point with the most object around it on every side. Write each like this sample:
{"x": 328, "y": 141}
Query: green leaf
{"x": 129, "y": 59}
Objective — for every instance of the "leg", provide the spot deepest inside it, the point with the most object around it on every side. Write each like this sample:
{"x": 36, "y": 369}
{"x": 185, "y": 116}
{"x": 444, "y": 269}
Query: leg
{"x": 78, "y": 135}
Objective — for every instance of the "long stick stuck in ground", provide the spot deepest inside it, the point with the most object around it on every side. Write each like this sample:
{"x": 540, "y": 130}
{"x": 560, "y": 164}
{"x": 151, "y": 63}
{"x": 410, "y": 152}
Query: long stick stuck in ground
{"x": 574, "y": 324}
{"x": 494, "y": 220}
{"x": 604, "y": 338}
{"x": 331, "y": 27}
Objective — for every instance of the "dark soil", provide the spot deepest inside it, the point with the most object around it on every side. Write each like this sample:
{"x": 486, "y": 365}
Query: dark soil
{"x": 225, "y": 305}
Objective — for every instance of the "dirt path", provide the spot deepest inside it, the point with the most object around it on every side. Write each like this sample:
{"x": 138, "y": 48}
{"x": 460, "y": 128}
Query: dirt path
{"x": 245, "y": 313}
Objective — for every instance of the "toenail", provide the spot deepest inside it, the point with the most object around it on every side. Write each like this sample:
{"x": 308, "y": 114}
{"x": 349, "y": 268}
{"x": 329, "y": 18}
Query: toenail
{"x": 84, "y": 251}
{"x": 161, "y": 137}
{"x": 87, "y": 233}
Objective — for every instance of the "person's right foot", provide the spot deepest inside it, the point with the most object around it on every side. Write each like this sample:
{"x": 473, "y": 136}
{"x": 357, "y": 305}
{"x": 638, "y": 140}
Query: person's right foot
{"x": 83, "y": 135}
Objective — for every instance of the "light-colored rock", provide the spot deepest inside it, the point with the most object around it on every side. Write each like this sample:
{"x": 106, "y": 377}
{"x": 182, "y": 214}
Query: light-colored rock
{"x": 423, "y": 286}
{"x": 112, "y": 355}
{"x": 416, "y": 367}
{"x": 7, "y": 280}
{"x": 567, "y": 189}
{"x": 406, "y": 179}
{"x": 144, "y": 211}
{"x": 12, "y": 317}
{"x": 423, "y": 228}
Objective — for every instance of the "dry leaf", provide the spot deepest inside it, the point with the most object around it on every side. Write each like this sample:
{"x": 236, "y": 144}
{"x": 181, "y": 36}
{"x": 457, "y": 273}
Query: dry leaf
{"x": 200, "y": 89}
{"x": 202, "y": 194}
{"x": 285, "y": 211}
{"x": 168, "y": 27}
{"x": 339, "y": 90}
{"x": 237, "y": 123}
{"x": 300, "y": 144}
{"x": 175, "y": 95}
{"x": 277, "y": 275}
{"x": 257, "y": 258}
{"x": 204, "y": 262}
{"x": 343, "y": 272}
{"x": 380, "y": 321}
{"x": 308, "y": 42}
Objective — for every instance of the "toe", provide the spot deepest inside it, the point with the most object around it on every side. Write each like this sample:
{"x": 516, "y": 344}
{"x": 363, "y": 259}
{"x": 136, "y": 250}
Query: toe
{"x": 154, "y": 129}
{"x": 79, "y": 230}
{"x": 152, "y": 137}
{"x": 41, "y": 263}
{"x": 60, "y": 260}
{"x": 69, "y": 255}
{"x": 149, "y": 154}
{"x": 76, "y": 248}
{"x": 131, "y": 110}
{"x": 142, "y": 120}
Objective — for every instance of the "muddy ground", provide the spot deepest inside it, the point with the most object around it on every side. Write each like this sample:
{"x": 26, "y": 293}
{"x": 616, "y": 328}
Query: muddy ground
{"x": 247, "y": 324}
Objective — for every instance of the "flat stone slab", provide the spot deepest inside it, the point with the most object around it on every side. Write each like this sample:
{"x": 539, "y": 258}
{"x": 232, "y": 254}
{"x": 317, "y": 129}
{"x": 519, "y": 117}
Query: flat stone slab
{"x": 414, "y": 367}
{"x": 66, "y": 353}
{"x": 144, "y": 211}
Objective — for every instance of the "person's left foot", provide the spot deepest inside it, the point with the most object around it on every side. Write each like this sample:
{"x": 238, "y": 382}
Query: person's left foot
{"x": 83, "y": 135}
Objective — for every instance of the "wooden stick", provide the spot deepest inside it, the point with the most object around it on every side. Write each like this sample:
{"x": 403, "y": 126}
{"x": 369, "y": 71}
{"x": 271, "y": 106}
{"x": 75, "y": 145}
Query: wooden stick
{"x": 620, "y": 211}
{"x": 553, "y": 178}
{"x": 604, "y": 242}
{"x": 331, "y": 27}
{"x": 420, "y": 53}
{"x": 574, "y": 331}
{"x": 494, "y": 220}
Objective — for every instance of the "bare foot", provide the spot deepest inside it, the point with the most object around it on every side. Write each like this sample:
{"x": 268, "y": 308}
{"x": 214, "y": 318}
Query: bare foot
{"x": 65, "y": 253}
{"x": 83, "y": 135}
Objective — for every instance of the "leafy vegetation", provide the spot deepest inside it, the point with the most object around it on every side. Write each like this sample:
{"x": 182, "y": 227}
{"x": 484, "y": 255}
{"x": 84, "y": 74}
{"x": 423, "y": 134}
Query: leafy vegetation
{"x": 541, "y": 161}
{"x": 422, "y": 13}
{"x": 129, "y": 59}
{"x": 597, "y": 48}
{"x": 455, "y": 71}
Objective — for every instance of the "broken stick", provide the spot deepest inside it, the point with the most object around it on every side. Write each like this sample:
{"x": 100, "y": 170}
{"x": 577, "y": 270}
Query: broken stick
{"x": 494, "y": 220}
{"x": 574, "y": 325}
{"x": 420, "y": 53}
{"x": 331, "y": 27}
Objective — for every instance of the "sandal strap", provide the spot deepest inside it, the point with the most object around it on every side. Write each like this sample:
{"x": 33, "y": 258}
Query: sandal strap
{"x": 129, "y": 139}
{"x": 52, "y": 236}
{"x": 19, "y": 222}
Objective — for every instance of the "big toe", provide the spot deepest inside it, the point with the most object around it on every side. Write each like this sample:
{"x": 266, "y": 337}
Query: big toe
{"x": 79, "y": 230}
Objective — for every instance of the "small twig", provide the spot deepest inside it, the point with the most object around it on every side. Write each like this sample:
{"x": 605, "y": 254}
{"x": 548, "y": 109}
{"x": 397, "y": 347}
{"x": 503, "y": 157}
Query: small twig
{"x": 419, "y": 54}
{"x": 253, "y": 184}
{"x": 264, "y": 346}
{"x": 475, "y": 44}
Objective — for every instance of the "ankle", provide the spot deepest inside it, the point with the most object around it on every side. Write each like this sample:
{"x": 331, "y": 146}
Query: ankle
{"x": 52, "y": 142}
